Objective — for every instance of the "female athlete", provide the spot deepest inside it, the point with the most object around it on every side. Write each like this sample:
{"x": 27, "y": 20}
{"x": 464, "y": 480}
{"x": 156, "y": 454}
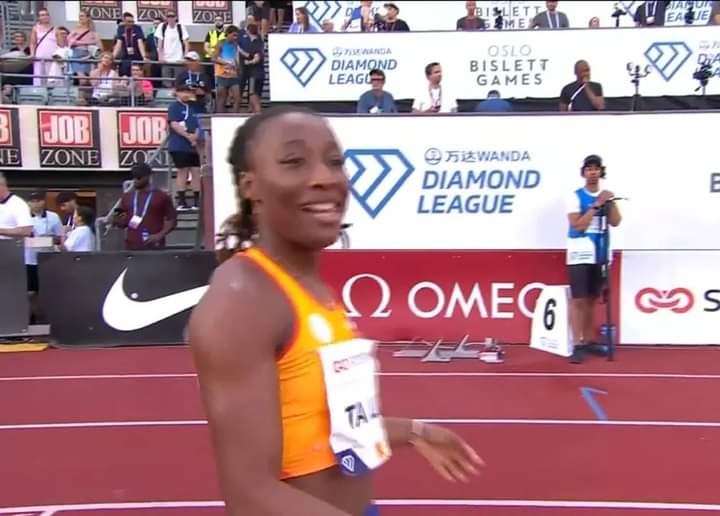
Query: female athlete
{"x": 288, "y": 386}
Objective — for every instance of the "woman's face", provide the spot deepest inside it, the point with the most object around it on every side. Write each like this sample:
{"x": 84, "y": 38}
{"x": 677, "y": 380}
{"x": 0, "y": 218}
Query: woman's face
{"x": 43, "y": 16}
{"x": 297, "y": 181}
{"x": 106, "y": 60}
{"x": 19, "y": 40}
{"x": 61, "y": 37}
{"x": 300, "y": 16}
{"x": 77, "y": 219}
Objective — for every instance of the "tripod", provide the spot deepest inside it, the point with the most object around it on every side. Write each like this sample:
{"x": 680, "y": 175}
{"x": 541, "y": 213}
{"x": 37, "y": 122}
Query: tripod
{"x": 635, "y": 74}
{"x": 604, "y": 260}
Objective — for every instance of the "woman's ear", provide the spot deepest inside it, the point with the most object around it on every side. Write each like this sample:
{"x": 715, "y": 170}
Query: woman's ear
{"x": 247, "y": 187}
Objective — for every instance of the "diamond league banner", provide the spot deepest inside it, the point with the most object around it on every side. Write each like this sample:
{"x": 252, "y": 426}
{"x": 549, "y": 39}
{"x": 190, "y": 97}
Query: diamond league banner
{"x": 516, "y": 15}
{"x": 485, "y": 182}
{"x": 122, "y": 298}
{"x": 520, "y": 64}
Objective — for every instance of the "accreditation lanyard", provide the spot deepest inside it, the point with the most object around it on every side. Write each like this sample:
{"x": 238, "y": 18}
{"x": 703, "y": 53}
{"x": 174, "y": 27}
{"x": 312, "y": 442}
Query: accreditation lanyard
{"x": 650, "y": 9}
{"x": 435, "y": 102}
{"x": 145, "y": 208}
{"x": 550, "y": 19}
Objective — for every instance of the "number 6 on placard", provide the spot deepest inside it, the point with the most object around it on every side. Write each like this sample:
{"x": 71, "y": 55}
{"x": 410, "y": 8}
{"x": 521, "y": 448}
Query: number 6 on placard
{"x": 551, "y": 321}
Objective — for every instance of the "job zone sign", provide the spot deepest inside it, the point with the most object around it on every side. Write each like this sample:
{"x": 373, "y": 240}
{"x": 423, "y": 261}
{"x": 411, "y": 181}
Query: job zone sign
{"x": 69, "y": 139}
{"x": 10, "y": 145}
{"x": 139, "y": 135}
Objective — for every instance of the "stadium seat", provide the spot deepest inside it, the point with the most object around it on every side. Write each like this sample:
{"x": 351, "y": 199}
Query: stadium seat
{"x": 64, "y": 96}
{"x": 32, "y": 95}
{"x": 164, "y": 97}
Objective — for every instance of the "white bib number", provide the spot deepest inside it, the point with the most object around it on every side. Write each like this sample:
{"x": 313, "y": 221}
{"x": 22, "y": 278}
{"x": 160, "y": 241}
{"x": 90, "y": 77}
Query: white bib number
{"x": 357, "y": 431}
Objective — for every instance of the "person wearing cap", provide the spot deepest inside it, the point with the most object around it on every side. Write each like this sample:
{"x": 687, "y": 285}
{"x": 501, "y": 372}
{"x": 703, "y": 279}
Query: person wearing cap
{"x": 585, "y": 249}
{"x": 390, "y": 22}
{"x": 147, "y": 213}
{"x": 194, "y": 76}
{"x": 67, "y": 204}
{"x": 45, "y": 223}
{"x": 172, "y": 44}
{"x": 184, "y": 145}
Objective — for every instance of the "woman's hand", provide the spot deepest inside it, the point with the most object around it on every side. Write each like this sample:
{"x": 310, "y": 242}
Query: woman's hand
{"x": 447, "y": 452}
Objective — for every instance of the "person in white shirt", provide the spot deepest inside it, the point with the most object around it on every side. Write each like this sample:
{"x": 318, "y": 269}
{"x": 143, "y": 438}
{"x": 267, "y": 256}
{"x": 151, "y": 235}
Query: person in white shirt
{"x": 432, "y": 99}
{"x": 82, "y": 238}
{"x": 172, "y": 44}
{"x": 15, "y": 221}
{"x": 45, "y": 223}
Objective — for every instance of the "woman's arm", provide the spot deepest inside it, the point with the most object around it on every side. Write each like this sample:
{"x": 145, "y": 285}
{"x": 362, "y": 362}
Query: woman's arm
{"x": 234, "y": 335}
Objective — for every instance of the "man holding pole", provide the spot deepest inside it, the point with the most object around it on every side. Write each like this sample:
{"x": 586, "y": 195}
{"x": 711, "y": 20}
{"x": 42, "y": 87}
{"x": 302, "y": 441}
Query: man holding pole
{"x": 589, "y": 211}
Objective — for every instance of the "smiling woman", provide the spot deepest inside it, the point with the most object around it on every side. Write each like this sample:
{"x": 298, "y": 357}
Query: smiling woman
{"x": 280, "y": 366}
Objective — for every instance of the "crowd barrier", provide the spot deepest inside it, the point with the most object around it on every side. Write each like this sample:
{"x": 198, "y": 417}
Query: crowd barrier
{"x": 488, "y": 182}
{"x": 527, "y": 64}
{"x": 111, "y": 299}
{"x": 515, "y": 15}
{"x": 14, "y": 304}
{"x": 80, "y": 138}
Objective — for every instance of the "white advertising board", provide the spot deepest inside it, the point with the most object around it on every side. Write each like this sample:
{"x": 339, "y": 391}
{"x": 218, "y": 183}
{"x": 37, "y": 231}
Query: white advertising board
{"x": 670, "y": 297}
{"x": 501, "y": 182}
{"x": 520, "y": 64}
{"x": 516, "y": 14}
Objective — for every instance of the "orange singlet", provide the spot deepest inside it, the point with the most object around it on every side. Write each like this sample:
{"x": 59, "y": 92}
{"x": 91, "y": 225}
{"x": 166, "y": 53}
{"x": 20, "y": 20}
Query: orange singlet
{"x": 303, "y": 399}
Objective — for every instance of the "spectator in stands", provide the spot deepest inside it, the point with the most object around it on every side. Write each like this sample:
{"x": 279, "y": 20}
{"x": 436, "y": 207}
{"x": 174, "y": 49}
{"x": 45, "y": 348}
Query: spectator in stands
{"x": 431, "y": 99}
{"x": 227, "y": 77}
{"x": 104, "y": 81}
{"x": 172, "y": 42}
{"x": 129, "y": 44}
{"x": 212, "y": 38}
{"x": 10, "y": 83}
{"x": 45, "y": 223}
{"x": 650, "y": 14}
{"x": 140, "y": 89}
{"x": 194, "y": 77}
{"x": 714, "y": 18}
{"x": 390, "y": 22}
{"x": 253, "y": 73}
{"x": 152, "y": 51}
{"x": 594, "y": 23}
{"x": 60, "y": 69}
{"x": 302, "y": 22}
{"x": 376, "y": 99}
{"x": 84, "y": 45}
{"x": 550, "y": 19}
{"x": 15, "y": 220}
{"x": 360, "y": 19}
{"x": 82, "y": 237}
{"x": 67, "y": 203}
{"x": 43, "y": 42}
{"x": 471, "y": 21}
{"x": 147, "y": 213}
{"x": 328, "y": 26}
{"x": 185, "y": 136}
{"x": 582, "y": 94}
{"x": 260, "y": 11}
{"x": 277, "y": 14}
{"x": 493, "y": 104}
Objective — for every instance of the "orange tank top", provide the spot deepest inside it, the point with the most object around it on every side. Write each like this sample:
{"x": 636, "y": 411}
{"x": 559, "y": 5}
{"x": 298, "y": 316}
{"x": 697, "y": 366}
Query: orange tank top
{"x": 303, "y": 400}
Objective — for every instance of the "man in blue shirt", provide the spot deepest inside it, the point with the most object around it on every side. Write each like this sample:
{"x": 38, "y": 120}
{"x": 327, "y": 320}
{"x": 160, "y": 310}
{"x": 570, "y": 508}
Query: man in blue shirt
{"x": 376, "y": 100}
{"x": 184, "y": 141}
{"x": 493, "y": 104}
{"x": 586, "y": 252}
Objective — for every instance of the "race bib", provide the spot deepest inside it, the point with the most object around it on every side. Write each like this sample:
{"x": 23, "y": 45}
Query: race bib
{"x": 357, "y": 431}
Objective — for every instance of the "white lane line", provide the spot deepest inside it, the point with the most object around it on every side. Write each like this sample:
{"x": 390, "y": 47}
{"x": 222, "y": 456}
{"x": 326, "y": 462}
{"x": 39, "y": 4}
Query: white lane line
{"x": 399, "y": 374}
{"x": 446, "y": 421}
{"x": 559, "y": 504}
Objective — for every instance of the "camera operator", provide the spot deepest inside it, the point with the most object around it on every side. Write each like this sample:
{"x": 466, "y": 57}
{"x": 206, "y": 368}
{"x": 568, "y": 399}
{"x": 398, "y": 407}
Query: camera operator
{"x": 714, "y": 18}
{"x": 585, "y": 252}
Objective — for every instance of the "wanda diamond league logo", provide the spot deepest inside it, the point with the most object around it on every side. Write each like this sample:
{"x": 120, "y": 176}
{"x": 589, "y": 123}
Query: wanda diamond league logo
{"x": 678, "y": 300}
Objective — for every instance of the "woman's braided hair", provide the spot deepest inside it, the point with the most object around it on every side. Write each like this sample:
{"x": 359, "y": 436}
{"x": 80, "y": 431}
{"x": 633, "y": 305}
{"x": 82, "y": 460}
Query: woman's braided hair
{"x": 239, "y": 229}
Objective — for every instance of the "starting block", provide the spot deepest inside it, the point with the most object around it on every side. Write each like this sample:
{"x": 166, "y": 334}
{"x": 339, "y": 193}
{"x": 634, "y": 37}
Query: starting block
{"x": 443, "y": 353}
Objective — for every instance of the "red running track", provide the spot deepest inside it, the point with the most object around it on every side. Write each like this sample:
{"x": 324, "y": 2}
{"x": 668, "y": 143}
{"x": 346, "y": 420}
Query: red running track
{"x": 660, "y": 458}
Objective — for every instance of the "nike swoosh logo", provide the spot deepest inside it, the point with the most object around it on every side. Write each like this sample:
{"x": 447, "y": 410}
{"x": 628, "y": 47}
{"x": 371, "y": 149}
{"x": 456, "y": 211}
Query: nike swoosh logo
{"x": 125, "y": 314}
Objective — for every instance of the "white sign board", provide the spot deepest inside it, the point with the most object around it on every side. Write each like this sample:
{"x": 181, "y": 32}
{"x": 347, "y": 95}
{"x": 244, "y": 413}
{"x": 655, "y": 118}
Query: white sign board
{"x": 516, "y": 15}
{"x": 550, "y": 330}
{"x": 527, "y": 64}
{"x": 502, "y": 182}
{"x": 670, "y": 297}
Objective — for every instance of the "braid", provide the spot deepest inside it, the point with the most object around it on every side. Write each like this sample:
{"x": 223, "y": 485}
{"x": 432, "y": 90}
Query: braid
{"x": 242, "y": 225}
